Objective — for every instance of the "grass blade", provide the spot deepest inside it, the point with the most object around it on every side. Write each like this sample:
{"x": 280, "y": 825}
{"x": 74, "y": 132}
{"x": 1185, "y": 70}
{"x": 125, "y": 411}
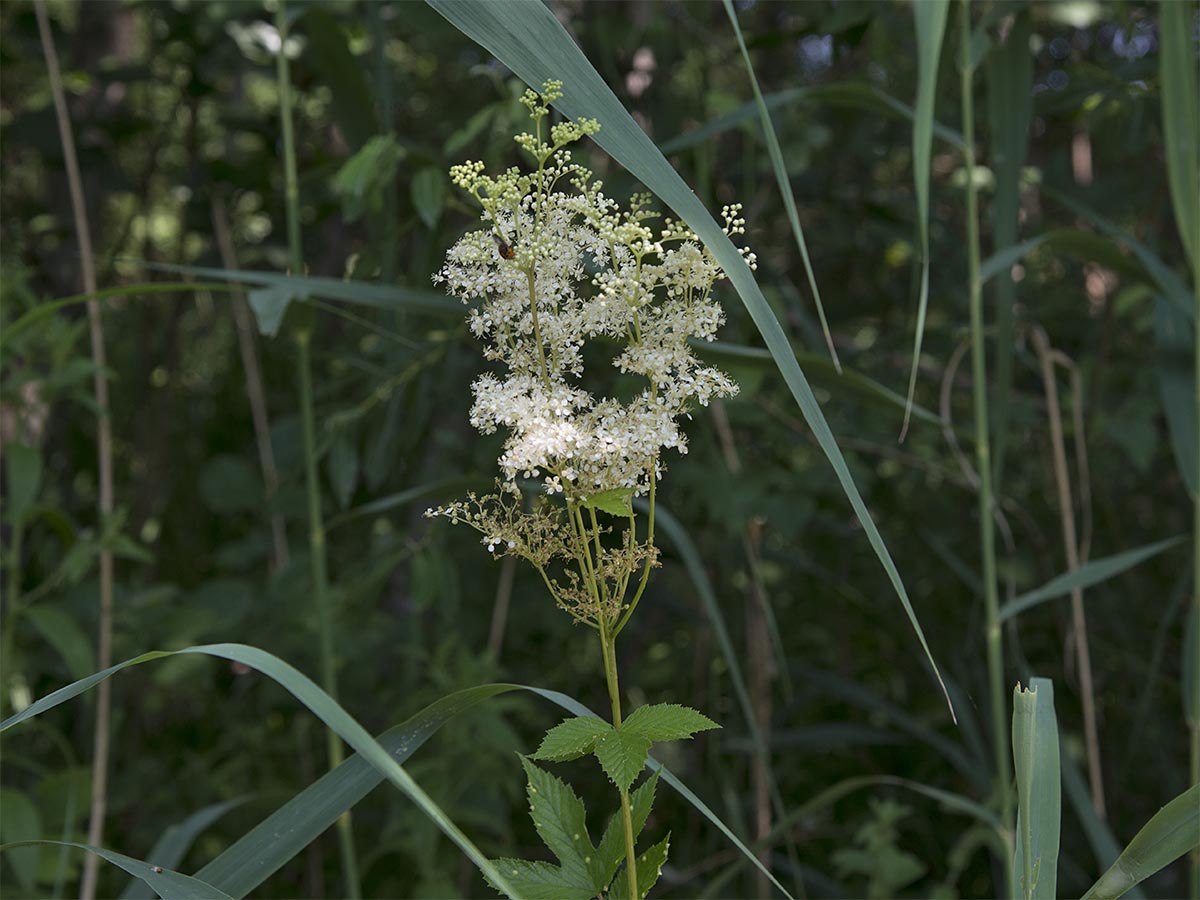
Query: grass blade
{"x": 1177, "y": 387}
{"x": 319, "y": 703}
{"x": 261, "y": 852}
{"x": 1171, "y": 832}
{"x": 1163, "y": 275}
{"x": 363, "y": 293}
{"x": 851, "y": 94}
{"x": 1094, "y": 572}
{"x": 169, "y": 849}
{"x": 785, "y": 187}
{"x": 1181, "y": 119}
{"x": 1008, "y": 74}
{"x": 930, "y": 19}
{"x": 526, "y": 37}
{"x": 165, "y": 883}
{"x": 846, "y": 383}
{"x": 1039, "y": 789}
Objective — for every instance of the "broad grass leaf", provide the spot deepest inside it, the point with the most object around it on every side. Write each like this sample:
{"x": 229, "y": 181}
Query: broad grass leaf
{"x": 262, "y": 851}
{"x": 1171, "y": 832}
{"x": 1177, "y": 387}
{"x": 526, "y": 37}
{"x": 170, "y": 848}
{"x": 666, "y": 722}
{"x": 1093, "y": 572}
{"x": 930, "y": 18}
{"x": 166, "y": 884}
{"x": 1181, "y": 119}
{"x": 1039, "y": 790}
{"x": 781, "y": 179}
{"x": 320, "y": 703}
{"x": 571, "y": 739}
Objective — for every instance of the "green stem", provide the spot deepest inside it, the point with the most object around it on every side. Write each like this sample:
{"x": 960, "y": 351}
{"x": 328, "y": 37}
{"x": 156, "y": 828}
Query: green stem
{"x": 983, "y": 463}
{"x": 316, "y": 526}
{"x": 1195, "y": 636}
{"x": 608, "y": 646}
{"x": 649, "y": 559}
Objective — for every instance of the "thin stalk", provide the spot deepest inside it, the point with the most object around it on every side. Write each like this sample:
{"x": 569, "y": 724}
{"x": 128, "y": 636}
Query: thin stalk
{"x": 103, "y": 449}
{"x": 649, "y": 560}
{"x": 608, "y": 646}
{"x": 983, "y": 463}
{"x": 1066, "y": 505}
{"x": 1195, "y": 637}
{"x": 316, "y": 527}
{"x": 254, "y": 381}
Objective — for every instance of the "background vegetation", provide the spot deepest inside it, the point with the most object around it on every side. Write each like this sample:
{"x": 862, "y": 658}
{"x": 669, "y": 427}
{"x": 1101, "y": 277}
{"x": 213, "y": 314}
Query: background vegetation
{"x": 176, "y": 119}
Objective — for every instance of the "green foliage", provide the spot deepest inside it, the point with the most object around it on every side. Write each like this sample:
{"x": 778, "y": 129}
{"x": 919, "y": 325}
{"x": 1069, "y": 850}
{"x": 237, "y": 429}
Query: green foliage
{"x": 765, "y": 604}
{"x": 666, "y": 722}
{"x": 876, "y": 854}
{"x": 571, "y": 739}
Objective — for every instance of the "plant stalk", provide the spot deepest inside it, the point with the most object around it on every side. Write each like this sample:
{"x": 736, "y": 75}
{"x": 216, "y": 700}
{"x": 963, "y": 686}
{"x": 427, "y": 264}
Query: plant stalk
{"x": 1195, "y": 636}
{"x": 103, "y": 448}
{"x": 608, "y": 646}
{"x": 983, "y": 463}
{"x": 316, "y": 527}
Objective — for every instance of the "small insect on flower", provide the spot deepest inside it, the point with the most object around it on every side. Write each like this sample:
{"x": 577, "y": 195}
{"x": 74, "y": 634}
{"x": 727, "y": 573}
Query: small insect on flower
{"x": 503, "y": 248}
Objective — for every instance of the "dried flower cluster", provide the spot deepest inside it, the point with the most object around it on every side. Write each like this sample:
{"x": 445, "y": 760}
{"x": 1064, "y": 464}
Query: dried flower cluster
{"x": 560, "y": 265}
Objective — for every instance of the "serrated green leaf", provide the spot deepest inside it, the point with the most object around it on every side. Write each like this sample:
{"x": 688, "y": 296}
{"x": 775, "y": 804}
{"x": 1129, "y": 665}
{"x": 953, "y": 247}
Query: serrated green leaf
{"x": 614, "y": 501}
{"x": 622, "y": 755}
{"x": 649, "y": 867}
{"x": 542, "y": 881}
{"x": 571, "y": 739}
{"x": 666, "y": 722}
{"x": 559, "y": 817}
{"x": 611, "y": 849}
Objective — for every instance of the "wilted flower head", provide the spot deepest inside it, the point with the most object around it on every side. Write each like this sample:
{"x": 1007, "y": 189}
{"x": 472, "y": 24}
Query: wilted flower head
{"x": 559, "y": 265}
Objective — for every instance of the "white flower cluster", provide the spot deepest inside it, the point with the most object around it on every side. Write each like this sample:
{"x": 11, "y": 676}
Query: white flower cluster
{"x": 557, "y": 269}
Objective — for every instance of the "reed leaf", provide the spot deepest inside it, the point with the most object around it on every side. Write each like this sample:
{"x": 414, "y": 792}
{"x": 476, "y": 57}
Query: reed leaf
{"x": 167, "y": 884}
{"x": 1039, "y": 790}
{"x": 930, "y": 18}
{"x": 1171, "y": 832}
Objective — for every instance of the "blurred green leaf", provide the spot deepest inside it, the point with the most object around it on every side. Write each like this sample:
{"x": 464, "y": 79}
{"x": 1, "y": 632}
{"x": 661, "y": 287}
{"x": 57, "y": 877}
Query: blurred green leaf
{"x": 23, "y": 475}
{"x": 21, "y": 822}
{"x": 429, "y": 194}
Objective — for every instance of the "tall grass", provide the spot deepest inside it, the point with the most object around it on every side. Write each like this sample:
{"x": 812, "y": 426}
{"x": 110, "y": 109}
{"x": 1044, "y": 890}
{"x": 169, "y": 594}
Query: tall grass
{"x": 318, "y": 560}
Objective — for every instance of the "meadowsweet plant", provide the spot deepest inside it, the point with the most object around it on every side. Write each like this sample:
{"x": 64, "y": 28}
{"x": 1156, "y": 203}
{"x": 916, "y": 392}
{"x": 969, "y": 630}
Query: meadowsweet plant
{"x": 561, "y": 274}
